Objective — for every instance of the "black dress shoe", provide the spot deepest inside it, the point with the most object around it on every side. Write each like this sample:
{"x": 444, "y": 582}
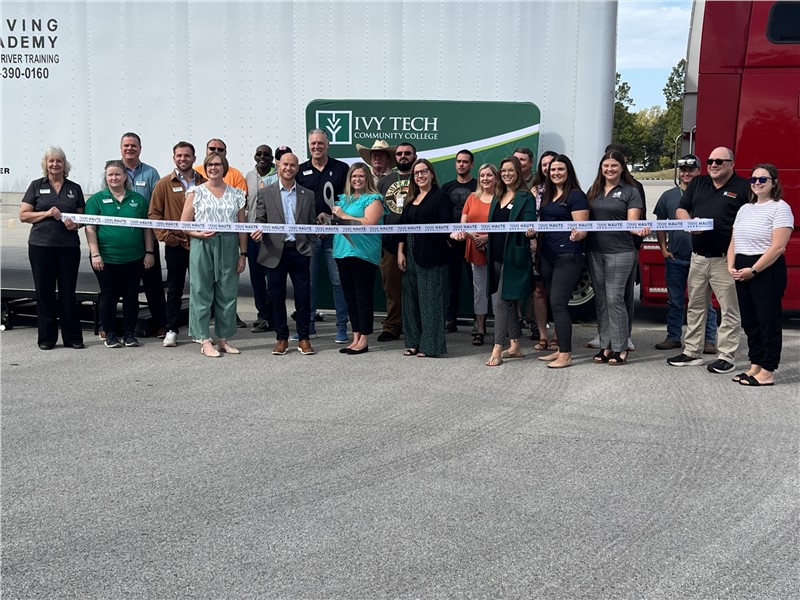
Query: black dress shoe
{"x": 344, "y": 350}
{"x": 386, "y": 336}
{"x": 351, "y": 351}
{"x": 46, "y": 345}
{"x": 77, "y": 346}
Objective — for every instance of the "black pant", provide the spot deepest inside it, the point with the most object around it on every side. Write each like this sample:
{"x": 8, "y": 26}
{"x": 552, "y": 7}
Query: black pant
{"x": 760, "y": 310}
{"x": 154, "y": 289}
{"x": 177, "y": 258}
{"x": 456, "y": 264}
{"x": 115, "y": 281}
{"x": 298, "y": 267}
{"x": 560, "y": 273}
{"x": 53, "y": 267}
{"x": 358, "y": 284}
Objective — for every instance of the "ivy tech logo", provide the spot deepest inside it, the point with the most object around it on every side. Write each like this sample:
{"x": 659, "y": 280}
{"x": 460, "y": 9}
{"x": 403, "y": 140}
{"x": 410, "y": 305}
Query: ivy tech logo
{"x": 338, "y": 124}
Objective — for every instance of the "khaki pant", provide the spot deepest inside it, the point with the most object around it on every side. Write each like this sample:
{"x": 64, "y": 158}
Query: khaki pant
{"x": 707, "y": 275}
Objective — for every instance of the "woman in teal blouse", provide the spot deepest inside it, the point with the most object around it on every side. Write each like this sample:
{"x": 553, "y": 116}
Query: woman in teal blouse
{"x": 358, "y": 255}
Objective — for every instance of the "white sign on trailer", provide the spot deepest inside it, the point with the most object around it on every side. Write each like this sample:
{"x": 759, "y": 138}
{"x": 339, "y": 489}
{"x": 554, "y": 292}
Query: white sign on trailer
{"x": 79, "y": 74}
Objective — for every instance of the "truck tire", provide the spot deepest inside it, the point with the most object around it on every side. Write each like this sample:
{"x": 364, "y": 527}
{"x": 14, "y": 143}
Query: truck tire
{"x": 582, "y": 303}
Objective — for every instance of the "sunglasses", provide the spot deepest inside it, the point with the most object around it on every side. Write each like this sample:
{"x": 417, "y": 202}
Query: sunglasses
{"x": 717, "y": 161}
{"x": 403, "y": 153}
{"x": 212, "y": 149}
{"x": 760, "y": 179}
{"x": 687, "y": 162}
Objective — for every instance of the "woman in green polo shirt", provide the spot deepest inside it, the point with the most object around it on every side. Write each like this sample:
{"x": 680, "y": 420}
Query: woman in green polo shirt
{"x": 119, "y": 253}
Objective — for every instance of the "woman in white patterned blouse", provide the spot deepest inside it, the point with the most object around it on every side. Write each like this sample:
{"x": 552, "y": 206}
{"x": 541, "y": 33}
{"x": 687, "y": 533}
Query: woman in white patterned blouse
{"x": 216, "y": 258}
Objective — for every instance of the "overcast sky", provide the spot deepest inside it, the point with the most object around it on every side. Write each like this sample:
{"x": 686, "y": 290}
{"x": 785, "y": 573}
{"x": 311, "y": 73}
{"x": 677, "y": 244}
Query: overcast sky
{"x": 652, "y": 38}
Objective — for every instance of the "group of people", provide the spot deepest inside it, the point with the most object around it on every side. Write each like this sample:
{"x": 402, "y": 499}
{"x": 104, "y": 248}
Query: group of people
{"x": 741, "y": 259}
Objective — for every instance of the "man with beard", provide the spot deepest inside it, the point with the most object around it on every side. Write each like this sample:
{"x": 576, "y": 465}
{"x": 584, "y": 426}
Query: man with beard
{"x": 380, "y": 159}
{"x": 258, "y": 179}
{"x": 166, "y": 204}
{"x": 719, "y": 196}
{"x": 394, "y": 188}
{"x": 677, "y": 252}
{"x": 458, "y": 190}
{"x": 525, "y": 157}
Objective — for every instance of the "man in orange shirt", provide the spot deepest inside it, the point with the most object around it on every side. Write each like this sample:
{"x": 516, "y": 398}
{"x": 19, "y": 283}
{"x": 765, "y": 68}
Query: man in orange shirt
{"x": 234, "y": 178}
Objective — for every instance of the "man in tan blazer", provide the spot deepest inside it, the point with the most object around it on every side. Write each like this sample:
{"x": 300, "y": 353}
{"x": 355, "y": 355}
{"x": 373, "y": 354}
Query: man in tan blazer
{"x": 287, "y": 254}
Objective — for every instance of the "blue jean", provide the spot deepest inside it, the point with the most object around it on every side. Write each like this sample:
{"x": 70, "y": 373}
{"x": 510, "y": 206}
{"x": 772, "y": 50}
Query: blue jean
{"x": 677, "y": 272}
{"x": 324, "y": 247}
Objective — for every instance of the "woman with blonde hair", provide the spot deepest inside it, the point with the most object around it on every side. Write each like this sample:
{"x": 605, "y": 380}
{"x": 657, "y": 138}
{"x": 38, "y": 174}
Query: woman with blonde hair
{"x": 54, "y": 249}
{"x": 358, "y": 256}
{"x": 476, "y": 210}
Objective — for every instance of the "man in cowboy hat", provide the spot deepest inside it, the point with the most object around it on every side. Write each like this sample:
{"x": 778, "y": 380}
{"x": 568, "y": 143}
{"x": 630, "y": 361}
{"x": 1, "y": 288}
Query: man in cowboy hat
{"x": 380, "y": 158}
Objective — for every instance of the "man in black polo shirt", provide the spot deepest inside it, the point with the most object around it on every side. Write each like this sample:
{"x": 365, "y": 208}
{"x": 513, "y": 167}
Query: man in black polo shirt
{"x": 458, "y": 190}
{"x": 325, "y": 176}
{"x": 718, "y": 196}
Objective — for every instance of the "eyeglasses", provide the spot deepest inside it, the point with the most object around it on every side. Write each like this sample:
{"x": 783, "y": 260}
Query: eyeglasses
{"x": 267, "y": 154}
{"x": 215, "y": 165}
{"x": 687, "y": 162}
{"x": 419, "y": 172}
{"x": 403, "y": 153}
{"x": 212, "y": 149}
{"x": 717, "y": 161}
{"x": 760, "y": 179}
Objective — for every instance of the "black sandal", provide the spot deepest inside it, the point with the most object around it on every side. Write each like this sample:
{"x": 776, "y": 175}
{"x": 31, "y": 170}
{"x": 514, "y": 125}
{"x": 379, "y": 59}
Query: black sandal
{"x": 617, "y": 359}
{"x": 601, "y": 357}
{"x": 477, "y": 339}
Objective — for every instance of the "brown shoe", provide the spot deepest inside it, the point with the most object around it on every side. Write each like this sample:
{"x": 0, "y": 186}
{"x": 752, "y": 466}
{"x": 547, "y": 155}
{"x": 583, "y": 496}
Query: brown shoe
{"x": 304, "y": 346}
{"x": 281, "y": 346}
{"x": 668, "y": 344}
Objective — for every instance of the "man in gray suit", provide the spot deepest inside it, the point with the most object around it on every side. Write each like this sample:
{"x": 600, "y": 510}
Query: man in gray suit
{"x": 285, "y": 253}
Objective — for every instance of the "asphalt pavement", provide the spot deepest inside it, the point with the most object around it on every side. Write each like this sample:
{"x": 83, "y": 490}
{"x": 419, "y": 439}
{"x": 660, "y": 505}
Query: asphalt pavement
{"x": 158, "y": 473}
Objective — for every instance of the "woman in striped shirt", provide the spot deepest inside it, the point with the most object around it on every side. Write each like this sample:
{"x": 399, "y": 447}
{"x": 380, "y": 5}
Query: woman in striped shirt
{"x": 756, "y": 261}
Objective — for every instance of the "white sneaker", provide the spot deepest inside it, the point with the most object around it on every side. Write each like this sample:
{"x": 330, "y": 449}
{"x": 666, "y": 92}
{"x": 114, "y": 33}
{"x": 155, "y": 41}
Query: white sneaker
{"x": 170, "y": 340}
{"x": 631, "y": 347}
{"x": 595, "y": 343}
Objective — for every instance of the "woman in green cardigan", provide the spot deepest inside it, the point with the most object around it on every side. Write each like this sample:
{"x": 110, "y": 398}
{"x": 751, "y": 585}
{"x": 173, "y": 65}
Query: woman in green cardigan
{"x": 509, "y": 257}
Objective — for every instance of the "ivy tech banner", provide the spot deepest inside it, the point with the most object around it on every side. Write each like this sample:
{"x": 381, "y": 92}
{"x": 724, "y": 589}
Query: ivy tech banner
{"x": 437, "y": 128}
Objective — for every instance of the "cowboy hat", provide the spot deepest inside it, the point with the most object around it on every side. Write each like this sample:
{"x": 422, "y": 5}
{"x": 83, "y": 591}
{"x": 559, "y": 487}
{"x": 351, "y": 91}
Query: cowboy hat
{"x": 379, "y": 146}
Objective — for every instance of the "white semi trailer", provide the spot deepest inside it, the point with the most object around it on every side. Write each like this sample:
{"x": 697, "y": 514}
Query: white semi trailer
{"x": 79, "y": 74}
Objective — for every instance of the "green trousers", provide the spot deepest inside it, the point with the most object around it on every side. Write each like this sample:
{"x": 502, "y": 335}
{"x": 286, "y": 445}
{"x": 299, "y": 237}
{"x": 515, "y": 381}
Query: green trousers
{"x": 213, "y": 283}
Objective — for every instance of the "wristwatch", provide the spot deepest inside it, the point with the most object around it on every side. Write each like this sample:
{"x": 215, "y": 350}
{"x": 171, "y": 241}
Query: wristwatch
{"x": 753, "y": 271}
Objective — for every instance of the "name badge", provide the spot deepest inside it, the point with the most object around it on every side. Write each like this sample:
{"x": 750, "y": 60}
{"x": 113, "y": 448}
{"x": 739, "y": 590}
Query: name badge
{"x": 510, "y": 206}
{"x": 307, "y": 172}
{"x": 44, "y": 191}
{"x": 177, "y": 188}
{"x": 140, "y": 183}
{"x": 730, "y": 194}
{"x": 107, "y": 200}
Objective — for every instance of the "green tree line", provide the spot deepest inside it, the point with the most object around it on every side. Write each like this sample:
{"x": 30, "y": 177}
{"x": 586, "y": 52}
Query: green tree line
{"x": 649, "y": 134}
